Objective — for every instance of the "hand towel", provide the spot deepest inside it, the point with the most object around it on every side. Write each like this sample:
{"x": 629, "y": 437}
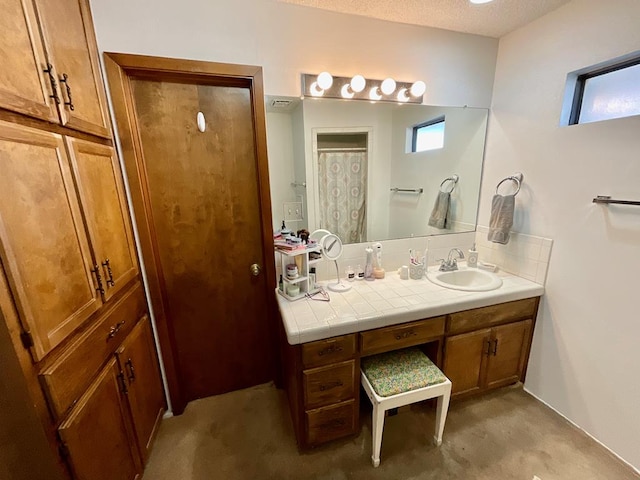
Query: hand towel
{"x": 501, "y": 220}
{"x": 440, "y": 213}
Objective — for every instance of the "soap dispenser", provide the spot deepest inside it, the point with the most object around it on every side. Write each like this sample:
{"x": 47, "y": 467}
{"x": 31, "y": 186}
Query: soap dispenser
{"x": 472, "y": 258}
{"x": 378, "y": 271}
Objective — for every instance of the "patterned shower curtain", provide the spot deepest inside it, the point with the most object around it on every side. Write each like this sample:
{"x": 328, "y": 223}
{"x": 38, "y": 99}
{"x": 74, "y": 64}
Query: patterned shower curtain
{"x": 342, "y": 178}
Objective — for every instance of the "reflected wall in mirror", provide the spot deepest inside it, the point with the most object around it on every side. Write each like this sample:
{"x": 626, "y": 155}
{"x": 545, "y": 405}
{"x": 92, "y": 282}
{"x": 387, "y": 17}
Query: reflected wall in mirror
{"x": 357, "y": 169}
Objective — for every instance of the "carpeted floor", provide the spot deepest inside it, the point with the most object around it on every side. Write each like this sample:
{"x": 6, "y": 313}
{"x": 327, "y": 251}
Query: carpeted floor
{"x": 248, "y": 435}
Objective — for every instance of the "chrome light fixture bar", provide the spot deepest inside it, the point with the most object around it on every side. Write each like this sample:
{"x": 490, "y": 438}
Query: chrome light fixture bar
{"x": 324, "y": 85}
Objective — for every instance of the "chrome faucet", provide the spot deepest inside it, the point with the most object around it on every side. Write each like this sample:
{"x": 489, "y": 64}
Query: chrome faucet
{"x": 451, "y": 264}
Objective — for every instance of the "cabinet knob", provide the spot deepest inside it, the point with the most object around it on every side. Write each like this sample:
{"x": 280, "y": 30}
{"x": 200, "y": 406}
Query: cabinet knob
{"x": 255, "y": 269}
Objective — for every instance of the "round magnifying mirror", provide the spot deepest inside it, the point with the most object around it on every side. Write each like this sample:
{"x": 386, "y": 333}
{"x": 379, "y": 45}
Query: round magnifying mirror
{"x": 331, "y": 250}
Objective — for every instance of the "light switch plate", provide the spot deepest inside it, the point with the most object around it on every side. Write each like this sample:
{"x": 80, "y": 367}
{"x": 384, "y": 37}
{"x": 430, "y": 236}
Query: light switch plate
{"x": 292, "y": 211}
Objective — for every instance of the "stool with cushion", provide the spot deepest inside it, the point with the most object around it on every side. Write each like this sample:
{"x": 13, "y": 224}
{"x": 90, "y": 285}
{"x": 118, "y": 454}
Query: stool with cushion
{"x": 399, "y": 378}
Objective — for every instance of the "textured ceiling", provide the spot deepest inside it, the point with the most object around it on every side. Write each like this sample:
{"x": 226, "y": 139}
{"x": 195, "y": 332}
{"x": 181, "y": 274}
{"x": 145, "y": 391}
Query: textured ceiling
{"x": 493, "y": 19}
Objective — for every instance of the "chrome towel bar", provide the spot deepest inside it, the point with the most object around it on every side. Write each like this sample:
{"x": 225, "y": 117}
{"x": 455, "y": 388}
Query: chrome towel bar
{"x": 606, "y": 199}
{"x": 407, "y": 190}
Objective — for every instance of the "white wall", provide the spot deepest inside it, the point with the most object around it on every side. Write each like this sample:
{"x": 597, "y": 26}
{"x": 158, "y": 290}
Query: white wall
{"x": 585, "y": 360}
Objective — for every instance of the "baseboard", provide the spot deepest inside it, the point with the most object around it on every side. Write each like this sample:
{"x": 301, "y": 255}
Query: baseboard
{"x": 583, "y": 430}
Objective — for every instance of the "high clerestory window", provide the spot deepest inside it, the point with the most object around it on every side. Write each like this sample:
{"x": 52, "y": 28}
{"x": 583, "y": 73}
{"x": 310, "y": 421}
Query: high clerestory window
{"x": 428, "y": 135}
{"x": 606, "y": 92}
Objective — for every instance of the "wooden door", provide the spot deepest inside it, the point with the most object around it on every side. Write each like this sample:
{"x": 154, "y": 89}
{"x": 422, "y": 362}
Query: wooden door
{"x": 464, "y": 360}
{"x": 43, "y": 248}
{"x": 97, "y": 434}
{"x": 139, "y": 363}
{"x": 24, "y": 84}
{"x": 103, "y": 201}
{"x": 71, "y": 47}
{"x": 204, "y": 205}
{"x": 507, "y": 358}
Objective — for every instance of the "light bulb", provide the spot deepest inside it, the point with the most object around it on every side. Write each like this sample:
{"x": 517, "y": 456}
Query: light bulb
{"x": 480, "y": 1}
{"x": 402, "y": 95}
{"x": 374, "y": 93}
{"x": 325, "y": 80}
{"x": 418, "y": 88}
{"x": 358, "y": 83}
{"x": 388, "y": 86}
{"x": 315, "y": 90}
{"x": 346, "y": 92}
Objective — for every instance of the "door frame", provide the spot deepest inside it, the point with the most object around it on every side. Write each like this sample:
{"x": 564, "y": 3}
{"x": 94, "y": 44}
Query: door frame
{"x": 120, "y": 67}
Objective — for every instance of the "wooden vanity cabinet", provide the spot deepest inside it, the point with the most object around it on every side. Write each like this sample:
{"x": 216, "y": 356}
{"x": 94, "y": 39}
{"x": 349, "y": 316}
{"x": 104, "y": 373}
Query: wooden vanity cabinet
{"x": 50, "y": 64}
{"x": 488, "y": 347}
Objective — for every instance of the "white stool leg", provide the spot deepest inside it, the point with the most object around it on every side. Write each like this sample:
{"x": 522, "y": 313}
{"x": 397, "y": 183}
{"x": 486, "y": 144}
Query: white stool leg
{"x": 377, "y": 424}
{"x": 441, "y": 415}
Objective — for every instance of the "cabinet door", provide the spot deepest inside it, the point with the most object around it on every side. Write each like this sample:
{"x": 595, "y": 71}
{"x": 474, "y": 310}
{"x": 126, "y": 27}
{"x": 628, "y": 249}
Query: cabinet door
{"x": 104, "y": 205}
{"x": 139, "y": 363}
{"x": 508, "y": 351}
{"x": 24, "y": 85}
{"x": 71, "y": 47}
{"x": 96, "y": 432}
{"x": 464, "y": 360}
{"x": 42, "y": 243}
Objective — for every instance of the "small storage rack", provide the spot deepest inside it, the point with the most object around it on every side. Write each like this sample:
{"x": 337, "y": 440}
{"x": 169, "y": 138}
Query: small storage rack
{"x": 304, "y": 264}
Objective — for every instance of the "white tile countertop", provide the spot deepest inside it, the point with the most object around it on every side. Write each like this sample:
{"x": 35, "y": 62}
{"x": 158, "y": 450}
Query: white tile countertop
{"x": 387, "y": 302}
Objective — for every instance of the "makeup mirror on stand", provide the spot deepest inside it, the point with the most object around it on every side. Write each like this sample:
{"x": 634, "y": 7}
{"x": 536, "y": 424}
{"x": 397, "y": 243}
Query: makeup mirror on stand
{"x": 332, "y": 249}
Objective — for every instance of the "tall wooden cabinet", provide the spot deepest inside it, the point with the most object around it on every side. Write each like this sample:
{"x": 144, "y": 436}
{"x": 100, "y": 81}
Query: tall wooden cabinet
{"x": 71, "y": 295}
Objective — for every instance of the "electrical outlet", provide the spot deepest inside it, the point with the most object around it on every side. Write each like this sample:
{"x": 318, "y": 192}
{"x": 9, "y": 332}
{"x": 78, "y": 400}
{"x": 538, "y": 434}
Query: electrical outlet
{"x": 292, "y": 211}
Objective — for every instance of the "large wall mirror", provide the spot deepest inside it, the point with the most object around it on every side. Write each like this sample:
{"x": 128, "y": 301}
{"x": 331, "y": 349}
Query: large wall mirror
{"x": 375, "y": 171}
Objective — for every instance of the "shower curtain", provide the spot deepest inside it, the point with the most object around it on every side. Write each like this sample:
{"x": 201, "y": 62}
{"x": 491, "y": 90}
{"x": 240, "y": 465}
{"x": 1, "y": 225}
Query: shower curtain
{"x": 342, "y": 178}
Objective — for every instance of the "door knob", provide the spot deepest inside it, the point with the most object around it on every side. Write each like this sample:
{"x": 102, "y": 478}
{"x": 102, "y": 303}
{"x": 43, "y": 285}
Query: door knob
{"x": 255, "y": 269}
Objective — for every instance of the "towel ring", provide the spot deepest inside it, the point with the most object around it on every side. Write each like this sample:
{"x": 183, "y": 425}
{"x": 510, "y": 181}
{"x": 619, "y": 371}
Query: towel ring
{"x": 517, "y": 178}
{"x": 453, "y": 179}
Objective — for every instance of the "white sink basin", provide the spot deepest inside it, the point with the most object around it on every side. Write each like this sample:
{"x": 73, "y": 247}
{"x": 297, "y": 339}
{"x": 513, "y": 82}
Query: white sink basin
{"x": 468, "y": 279}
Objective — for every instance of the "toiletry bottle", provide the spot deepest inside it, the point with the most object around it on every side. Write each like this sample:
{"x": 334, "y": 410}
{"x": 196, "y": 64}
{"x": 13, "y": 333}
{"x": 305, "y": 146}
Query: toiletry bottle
{"x": 280, "y": 284}
{"x": 359, "y": 273}
{"x": 312, "y": 278}
{"x": 378, "y": 271}
{"x": 351, "y": 274}
{"x": 368, "y": 269}
{"x": 472, "y": 259}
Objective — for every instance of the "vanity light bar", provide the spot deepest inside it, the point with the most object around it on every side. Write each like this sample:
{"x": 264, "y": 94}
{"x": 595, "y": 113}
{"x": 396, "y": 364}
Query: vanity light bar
{"x": 353, "y": 88}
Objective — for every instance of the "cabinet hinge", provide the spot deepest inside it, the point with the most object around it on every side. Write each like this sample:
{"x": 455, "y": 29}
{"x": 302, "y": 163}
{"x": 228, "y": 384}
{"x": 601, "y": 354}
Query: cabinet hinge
{"x": 63, "y": 450}
{"x": 27, "y": 339}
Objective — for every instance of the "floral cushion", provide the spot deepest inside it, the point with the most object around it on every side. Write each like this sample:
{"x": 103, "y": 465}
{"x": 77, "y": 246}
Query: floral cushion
{"x": 400, "y": 371}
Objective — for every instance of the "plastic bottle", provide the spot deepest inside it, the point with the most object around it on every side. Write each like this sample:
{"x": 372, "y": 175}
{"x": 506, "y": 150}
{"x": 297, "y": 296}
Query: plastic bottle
{"x": 378, "y": 271}
{"x": 472, "y": 258}
{"x": 368, "y": 269}
{"x": 359, "y": 273}
{"x": 280, "y": 284}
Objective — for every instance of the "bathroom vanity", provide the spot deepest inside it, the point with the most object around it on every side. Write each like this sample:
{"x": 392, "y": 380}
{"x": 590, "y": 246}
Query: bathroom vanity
{"x": 481, "y": 340}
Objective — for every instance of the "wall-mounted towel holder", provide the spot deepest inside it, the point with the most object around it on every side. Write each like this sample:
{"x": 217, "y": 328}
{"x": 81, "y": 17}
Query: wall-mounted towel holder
{"x": 516, "y": 177}
{"x": 607, "y": 200}
{"x": 407, "y": 190}
{"x": 453, "y": 179}
{"x": 299, "y": 184}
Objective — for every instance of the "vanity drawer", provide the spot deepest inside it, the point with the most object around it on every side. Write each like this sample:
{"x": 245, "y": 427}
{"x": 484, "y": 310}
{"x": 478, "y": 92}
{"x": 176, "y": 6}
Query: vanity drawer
{"x": 400, "y": 336}
{"x": 66, "y": 379}
{"x": 330, "y": 384}
{"x": 327, "y": 351}
{"x": 493, "y": 315}
{"x": 328, "y": 423}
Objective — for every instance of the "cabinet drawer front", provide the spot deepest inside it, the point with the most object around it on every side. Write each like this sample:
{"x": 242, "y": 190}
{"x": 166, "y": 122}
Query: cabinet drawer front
{"x": 400, "y": 336}
{"x": 70, "y": 374}
{"x": 328, "y": 423}
{"x": 330, "y": 384}
{"x": 492, "y": 315}
{"x": 328, "y": 351}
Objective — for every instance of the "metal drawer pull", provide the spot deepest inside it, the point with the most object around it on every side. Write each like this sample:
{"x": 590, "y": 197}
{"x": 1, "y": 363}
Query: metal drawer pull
{"x": 110, "y": 281}
{"x": 331, "y": 349}
{"x": 52, "y": 81}
{"x": 96, "y": 270}
{"x": 495, "y": 347}
{"x": 132, "y": 372}
{"x": 113, "y": 331}
{"x": 331, "y": 385}
{"x": 488, "y": 352}
{"x": 401, "y": 336}
{"x": 65, "y": 80}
